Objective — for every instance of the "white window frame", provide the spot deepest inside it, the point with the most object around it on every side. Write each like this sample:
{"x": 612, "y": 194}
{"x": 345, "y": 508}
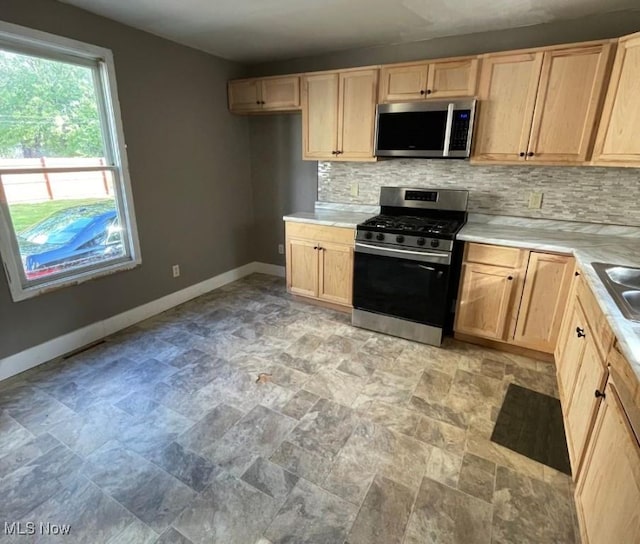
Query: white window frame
{"x": 24, "y": 40}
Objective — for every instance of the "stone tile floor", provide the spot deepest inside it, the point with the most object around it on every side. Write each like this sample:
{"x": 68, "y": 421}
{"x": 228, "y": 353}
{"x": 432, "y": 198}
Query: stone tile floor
{"x": 162, "y": 434}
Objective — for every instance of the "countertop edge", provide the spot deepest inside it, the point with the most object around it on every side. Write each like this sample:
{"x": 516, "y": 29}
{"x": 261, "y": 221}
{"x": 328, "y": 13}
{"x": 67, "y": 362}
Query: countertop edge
{"x": 342, "y": 219}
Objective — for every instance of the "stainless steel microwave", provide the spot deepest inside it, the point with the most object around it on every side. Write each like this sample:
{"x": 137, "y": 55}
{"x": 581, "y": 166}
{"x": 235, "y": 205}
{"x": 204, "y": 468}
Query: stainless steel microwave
{"x": 438, "y": 129}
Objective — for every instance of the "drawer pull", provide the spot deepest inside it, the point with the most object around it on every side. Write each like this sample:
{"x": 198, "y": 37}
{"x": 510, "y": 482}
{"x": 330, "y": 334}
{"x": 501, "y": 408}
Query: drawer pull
{"x": 600, "y": 394}
{"x": 580, "y": 332}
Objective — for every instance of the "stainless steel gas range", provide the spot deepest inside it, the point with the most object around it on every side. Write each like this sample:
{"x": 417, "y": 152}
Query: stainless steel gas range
{"x": 407, "y": 263}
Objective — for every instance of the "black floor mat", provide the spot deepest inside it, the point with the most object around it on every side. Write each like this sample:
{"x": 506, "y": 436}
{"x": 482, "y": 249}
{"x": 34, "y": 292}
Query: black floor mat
{"x": 530, "y": 423}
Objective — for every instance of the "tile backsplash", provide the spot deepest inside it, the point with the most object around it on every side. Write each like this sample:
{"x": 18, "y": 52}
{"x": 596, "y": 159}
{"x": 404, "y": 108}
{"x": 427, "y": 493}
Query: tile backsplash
{"x": 594, "y": 195}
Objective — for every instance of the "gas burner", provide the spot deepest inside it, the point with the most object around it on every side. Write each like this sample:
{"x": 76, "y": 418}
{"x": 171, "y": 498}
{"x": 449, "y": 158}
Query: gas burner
{"x": 413, "y": 224}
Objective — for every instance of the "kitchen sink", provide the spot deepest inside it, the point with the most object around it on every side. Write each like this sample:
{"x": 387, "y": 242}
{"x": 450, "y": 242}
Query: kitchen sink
{"x": 629, "y": 277}
{"x": 623, "y": 284}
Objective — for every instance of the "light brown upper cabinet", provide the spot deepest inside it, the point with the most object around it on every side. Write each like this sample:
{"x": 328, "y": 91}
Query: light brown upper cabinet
{"x": 617, "y": 143}
{"x": 428, "y": 80}
{"x": 338, "y": 115}
{"x": 541, "y": 106}
{"x": 264, "y": 94}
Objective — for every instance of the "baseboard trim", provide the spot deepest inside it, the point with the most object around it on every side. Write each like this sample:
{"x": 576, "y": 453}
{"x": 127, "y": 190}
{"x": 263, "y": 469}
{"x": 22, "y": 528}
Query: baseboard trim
{"x": 503, "y": 346}
{"x": 31, "y": 357}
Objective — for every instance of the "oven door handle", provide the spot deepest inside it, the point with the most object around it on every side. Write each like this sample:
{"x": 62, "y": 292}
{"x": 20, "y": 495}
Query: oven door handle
{"x": 422, "y": 256}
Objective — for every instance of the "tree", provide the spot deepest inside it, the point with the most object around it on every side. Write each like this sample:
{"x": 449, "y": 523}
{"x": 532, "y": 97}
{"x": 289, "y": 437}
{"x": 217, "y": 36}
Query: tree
{"x": 47, "y": 108}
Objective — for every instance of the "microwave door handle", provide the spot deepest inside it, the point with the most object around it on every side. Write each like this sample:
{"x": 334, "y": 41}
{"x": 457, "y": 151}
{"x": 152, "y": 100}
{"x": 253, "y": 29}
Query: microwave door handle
{"x": 447, "y": 130}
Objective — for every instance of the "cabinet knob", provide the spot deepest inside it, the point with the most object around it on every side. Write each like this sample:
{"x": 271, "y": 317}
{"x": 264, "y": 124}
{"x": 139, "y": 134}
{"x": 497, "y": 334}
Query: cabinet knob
{"x": 600, "y": 394}
{"x": 521, "y": 153}
{"x": 576, "y": 273}
{"x": 258, "y": 102}
{"x": 429, "y": 91}
{"x": 530, "y": 154}
{"x": 338, "y": 152}
{"x": 422, "y": 91}
{"x": 315, "y": 247}
{"x": 580, "y": 332}
{"x": 509, "y": 278}
{"x": 334, "y": 152}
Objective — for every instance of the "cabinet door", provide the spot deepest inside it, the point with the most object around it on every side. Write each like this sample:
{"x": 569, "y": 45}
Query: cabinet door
{"x": 336, "y": 273}
{"x": 281, "y": 93}
{"x": 356, "y": 114}
{"x": 487, "y": 293}
{"x": 302, "y": 267}
{"x": 565, "y": 327}
{"x": 508, "y": 86}
{"x": 452, "y": 78}
{"x": 583, "y": 404}
{"x": 617, "y": 143}
{"x": 574, "y": 344}
{"x": 403, "y": 83}
{"x": 608, "y": 489}
{"x": 320, "y": 116}
{"x": 544, "y": 299}
{"x": 244, "y": 95}
{"x": 569, "y": 98}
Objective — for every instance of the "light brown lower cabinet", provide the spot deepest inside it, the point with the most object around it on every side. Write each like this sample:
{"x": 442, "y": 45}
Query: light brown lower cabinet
{"x": 608, "y": 488}
{"x": 582, "y": 406}
{"x": 581, "y": 368}
{"x": 514, "y": 296}
{"x": 320, "y": 262}
{"x": 597, "y": 403}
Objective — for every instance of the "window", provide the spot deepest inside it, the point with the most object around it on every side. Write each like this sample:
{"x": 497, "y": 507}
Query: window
{"x": 66, "y": 211}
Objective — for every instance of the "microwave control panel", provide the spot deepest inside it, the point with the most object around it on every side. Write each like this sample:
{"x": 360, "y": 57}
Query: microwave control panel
{"x": 460, "y": 130}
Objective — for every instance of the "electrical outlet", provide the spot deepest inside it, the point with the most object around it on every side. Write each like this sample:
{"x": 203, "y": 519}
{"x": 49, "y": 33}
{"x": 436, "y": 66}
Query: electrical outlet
{"x": 535, "y": 200}
{"x": 176, "y": 270}
{"x": 355, "y": 188}
{"x": 281, "y": 249}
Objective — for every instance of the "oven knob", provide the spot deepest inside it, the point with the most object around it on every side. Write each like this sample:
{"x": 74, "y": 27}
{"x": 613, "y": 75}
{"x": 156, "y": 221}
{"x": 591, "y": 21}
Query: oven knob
{"x": 368, "y": 235}
{"x": 435, "y": 243}
{"x": 421, "y": 241}
{"x": 399, "y": 239}
{"x": 380, "y": 236}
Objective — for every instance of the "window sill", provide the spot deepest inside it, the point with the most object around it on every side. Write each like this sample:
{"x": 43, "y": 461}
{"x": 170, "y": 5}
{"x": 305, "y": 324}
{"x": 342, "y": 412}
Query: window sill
{"x": 24, "y": 293}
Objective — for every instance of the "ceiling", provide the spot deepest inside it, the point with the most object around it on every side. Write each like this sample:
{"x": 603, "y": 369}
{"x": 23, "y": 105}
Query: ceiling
{"x": 262, "y": 30}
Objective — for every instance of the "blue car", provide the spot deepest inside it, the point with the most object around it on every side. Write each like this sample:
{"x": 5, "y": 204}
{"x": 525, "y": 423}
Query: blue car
{"x": 71, "y": 238}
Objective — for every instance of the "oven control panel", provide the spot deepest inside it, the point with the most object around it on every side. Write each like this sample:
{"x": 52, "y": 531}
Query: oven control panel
{"x": 423, "y": 196}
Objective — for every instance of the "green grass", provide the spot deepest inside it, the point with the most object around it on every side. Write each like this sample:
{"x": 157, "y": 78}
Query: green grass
{"x": 26, "y": 215}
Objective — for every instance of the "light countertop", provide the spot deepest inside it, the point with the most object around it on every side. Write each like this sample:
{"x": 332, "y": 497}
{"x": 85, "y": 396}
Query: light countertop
{"x": 330, "y": 218}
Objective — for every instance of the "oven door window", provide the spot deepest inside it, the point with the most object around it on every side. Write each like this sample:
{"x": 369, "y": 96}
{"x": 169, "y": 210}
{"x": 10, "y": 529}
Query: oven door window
{"x": 402, "y": 288}
{"x": 412, "y": 131}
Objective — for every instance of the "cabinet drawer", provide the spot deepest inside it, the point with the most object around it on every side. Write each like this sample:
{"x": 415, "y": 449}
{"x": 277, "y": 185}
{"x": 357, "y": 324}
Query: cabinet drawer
{"x": 602, "y": 333}
{"x": 320, "y": 233}
{"x": 508, "y": 257}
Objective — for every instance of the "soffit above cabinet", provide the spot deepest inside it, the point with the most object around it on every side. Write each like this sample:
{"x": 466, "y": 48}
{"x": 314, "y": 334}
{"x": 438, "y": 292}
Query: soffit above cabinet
{"x": 263, "y": 30}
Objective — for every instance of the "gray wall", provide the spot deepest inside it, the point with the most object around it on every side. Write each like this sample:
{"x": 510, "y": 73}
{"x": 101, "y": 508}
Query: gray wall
{"x": 282, "y": 182}
{"x": 593, "y": 27}
{"x": 190, "y": 171}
